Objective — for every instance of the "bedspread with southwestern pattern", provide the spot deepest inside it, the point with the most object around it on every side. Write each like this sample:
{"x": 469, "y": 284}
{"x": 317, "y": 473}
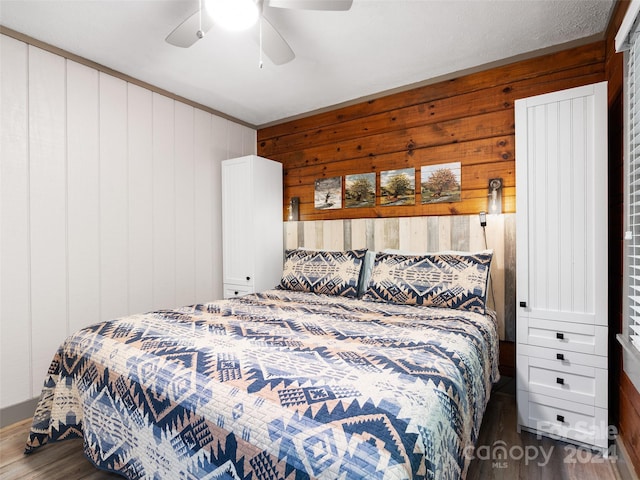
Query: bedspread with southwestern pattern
{"x": 277, "y": 385}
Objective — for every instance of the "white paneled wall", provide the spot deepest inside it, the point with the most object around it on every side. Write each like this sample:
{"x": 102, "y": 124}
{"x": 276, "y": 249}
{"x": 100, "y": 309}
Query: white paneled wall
{"x": 109, "y": 205}
{"x": 15, "y": 261}
{"x": 47, "y": 209}
{"x": 83, "y": 195}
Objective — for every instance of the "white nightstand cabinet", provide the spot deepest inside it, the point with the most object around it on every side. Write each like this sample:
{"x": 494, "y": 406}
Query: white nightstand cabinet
{"x": 561, "y": 245}
{"x": 252, "y": 236}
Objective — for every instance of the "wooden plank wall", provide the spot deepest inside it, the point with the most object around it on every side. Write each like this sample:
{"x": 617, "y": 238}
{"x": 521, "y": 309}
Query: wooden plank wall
{"x": 468, "y": 119}
{"x": 616, "y": 212}
{"x": 622, "y": 393}
{"x": 630, "y": 420}
{"x": 425, "y": 234}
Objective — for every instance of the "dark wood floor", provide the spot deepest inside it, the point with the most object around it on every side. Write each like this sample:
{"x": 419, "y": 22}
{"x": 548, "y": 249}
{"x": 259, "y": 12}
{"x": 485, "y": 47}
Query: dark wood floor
{"x": 527, "y": 458}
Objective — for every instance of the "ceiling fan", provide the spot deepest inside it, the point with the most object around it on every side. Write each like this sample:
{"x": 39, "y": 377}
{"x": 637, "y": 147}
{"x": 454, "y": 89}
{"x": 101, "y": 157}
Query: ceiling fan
{"x": 271, "y": 42}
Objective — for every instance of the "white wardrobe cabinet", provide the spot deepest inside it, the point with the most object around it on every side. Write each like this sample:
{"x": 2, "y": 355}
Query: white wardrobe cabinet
{"x": 252, "y": 238}
{"x": 561, "y": 237}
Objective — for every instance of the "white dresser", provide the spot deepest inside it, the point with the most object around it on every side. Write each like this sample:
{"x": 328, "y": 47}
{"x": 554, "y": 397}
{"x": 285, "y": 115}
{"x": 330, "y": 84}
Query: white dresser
{"x": 252, "y": 233}
{"x": 561, "y": 236}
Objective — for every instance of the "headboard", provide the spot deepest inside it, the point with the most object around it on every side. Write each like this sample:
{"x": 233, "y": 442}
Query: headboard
{"x": 426, "y": 234}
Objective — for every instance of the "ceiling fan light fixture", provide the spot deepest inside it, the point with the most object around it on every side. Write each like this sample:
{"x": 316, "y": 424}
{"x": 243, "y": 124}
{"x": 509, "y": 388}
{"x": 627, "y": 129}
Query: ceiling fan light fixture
{"x": 234, "y": 15}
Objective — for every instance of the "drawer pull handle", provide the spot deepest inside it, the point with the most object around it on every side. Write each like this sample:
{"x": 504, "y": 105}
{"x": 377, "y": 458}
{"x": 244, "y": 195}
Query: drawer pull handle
{"x": 523, "y": 304}
{"x": 560, "y": 356}
{"x": 248, "y": 278}
{"x": 560, "y": 418}
{"x": 560, "y": 336}
{"x": 560, "y": 381}
{"x": 236, "y": 292}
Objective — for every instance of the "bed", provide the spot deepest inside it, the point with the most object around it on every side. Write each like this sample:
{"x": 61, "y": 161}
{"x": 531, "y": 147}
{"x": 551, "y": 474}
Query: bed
{"x": 334, "y": 374}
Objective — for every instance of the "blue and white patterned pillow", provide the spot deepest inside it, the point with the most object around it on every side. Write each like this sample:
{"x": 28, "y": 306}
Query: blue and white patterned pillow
{"x": 321, "y": 271}
{"x": 448, "y": 280}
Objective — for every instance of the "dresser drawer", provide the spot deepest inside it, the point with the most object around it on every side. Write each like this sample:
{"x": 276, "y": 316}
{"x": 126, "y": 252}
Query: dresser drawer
{"x": 575, "y": 383}
{"x": 562, "y": 418}
{"x": 231, "y": 291}
{"x": 575, "y": 337}
{"x": 563, "y": 357}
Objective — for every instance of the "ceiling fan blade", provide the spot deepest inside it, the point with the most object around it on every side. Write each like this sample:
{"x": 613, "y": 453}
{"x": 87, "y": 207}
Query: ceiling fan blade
{"x": 338, "y": 5}
{"x": 273, "y": 45}
{"x": 186, "y": 34}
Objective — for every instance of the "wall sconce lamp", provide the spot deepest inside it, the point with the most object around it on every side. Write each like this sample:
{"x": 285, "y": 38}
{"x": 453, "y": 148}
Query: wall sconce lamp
{"x": 294, "y": 209}
{"x": 495, "y": 196}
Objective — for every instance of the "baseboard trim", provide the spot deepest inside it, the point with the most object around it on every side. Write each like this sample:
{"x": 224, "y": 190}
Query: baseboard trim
{"x": 18, "y": 412}
{"x": 625, "y": 467}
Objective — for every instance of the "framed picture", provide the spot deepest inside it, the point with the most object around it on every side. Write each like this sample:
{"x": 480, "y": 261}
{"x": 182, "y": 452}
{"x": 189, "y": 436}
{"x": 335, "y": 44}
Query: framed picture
{"x": 328, "y": 194}
{"x": 440, "y": 183}
{"x": 398, "y": 187}
{"x": 360, "y": 190}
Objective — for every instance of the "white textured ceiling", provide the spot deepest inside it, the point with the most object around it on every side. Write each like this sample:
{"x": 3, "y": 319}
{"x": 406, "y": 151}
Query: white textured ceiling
{"x": 340, "y": 56}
